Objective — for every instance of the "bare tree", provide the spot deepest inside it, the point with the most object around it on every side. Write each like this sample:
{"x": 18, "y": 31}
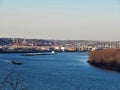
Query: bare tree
{"x": 5, "y": 80}
{"x": 13, "y": 81}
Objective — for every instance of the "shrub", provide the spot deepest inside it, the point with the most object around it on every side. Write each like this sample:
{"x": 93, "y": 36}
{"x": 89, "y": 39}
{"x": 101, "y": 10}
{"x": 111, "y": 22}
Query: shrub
{"x": 110, "y": 58}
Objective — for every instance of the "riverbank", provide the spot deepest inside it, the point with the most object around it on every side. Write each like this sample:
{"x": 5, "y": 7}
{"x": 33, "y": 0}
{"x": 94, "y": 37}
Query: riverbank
{"x": 106, "y": 59}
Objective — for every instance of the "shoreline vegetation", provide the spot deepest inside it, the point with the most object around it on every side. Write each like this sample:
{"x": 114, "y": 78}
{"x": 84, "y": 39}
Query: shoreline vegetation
{"x": 105, "y": 59}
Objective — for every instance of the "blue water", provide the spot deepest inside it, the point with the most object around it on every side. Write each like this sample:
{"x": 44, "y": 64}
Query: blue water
{"x": 62, "y": 71}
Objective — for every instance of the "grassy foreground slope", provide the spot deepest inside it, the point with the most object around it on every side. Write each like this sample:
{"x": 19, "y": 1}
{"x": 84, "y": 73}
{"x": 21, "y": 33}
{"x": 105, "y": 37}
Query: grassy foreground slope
{"x": 107, "y": 58}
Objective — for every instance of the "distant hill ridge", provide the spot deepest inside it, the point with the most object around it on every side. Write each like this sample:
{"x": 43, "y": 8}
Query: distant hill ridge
{"x": 38, "y": 42}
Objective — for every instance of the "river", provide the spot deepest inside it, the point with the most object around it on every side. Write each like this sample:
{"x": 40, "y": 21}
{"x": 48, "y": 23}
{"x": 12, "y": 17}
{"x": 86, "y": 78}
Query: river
{"x": 62, "y": 71}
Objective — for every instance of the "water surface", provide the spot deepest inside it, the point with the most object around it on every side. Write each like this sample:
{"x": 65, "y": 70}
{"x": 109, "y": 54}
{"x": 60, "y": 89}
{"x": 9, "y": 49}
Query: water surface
{"x": 63, "y": 71}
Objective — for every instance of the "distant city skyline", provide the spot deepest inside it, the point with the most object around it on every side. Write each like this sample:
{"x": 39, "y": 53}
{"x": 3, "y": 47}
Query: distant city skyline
{"x": 60, "y": 19}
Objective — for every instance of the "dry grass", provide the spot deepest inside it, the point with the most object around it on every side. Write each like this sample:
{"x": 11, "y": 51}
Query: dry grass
{"x": 107, "y": 58}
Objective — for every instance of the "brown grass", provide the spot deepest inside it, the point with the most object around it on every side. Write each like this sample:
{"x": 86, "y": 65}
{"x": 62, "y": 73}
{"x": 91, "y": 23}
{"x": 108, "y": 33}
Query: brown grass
{"x": 107, "y": 58}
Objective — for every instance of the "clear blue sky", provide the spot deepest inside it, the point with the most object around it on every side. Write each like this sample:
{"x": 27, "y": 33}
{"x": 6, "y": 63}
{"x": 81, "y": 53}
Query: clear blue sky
{"x": 60, "y": 19}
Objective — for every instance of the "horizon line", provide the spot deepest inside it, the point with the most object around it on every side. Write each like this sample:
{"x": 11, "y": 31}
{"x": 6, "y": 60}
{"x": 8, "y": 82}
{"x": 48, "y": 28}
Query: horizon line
{"x": 58, "y": 39}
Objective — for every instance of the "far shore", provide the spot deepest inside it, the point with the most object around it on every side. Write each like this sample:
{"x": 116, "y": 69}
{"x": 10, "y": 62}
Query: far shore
{"x": 10, "y": 52}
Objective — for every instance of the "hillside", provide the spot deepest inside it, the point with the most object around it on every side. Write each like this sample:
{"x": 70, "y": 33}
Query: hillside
{"x": 37, "y": 42}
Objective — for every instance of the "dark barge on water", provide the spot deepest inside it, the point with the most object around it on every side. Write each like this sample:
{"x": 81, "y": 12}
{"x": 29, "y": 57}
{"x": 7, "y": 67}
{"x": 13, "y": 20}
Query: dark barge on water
{"x": 16, "y": 63}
